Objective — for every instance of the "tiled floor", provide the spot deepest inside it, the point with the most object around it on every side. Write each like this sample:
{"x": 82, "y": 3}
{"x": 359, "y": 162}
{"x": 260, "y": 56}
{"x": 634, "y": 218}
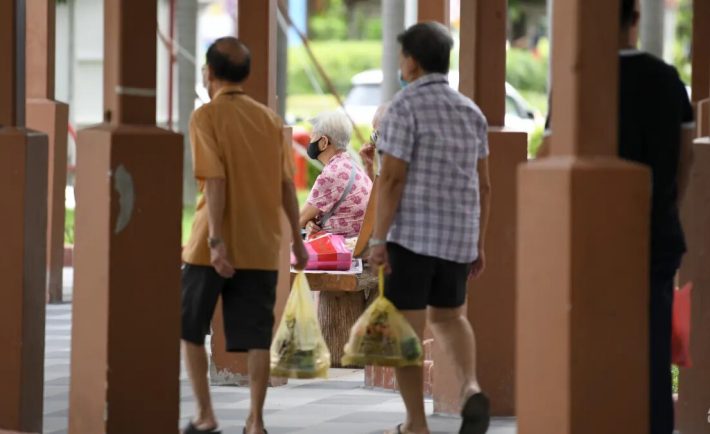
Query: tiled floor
{"x": 339, "y": 405}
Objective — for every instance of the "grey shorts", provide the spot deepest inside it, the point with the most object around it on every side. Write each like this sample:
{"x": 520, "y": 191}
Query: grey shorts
{"x": 247, "y": 305}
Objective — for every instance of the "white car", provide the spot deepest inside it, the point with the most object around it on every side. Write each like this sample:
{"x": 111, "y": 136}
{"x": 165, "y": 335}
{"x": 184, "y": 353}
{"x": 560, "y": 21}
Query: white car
{"x": 364, "y": 97}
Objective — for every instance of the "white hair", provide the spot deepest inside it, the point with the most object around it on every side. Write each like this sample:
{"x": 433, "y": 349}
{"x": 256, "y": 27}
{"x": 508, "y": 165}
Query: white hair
{"x": 336, "y": 126}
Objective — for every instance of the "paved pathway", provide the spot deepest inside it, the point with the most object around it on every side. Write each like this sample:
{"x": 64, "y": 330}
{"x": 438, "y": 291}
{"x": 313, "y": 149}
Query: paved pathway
{"x": 339, "y": 405}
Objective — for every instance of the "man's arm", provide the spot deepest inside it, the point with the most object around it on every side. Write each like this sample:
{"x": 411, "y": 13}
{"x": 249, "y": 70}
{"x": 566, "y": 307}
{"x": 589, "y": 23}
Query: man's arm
{"x": 484, "y": 186}
{"x": 392, "y": 181}
{"x": 685, "y": 161}
{"x": 290, "y": 206}
{"x": 215, "y": 192}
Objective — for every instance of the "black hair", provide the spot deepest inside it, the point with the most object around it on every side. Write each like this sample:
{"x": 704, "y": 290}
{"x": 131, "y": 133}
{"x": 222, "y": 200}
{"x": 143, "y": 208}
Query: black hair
{"x": 429, "y": 44}
{"x": 628, "y": 13}
{"x": 224, "y": 67}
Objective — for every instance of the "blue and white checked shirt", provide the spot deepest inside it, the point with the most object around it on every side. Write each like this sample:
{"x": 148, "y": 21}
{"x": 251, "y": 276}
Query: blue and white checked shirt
{"x": 442, "y": 135}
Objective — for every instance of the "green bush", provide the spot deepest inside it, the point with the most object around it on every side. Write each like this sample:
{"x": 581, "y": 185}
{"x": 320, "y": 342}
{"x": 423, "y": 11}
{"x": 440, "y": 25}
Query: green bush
{"x": 341, "y": 60}
{"x": 525, "y": 71}
{"x": 535, "y": 140}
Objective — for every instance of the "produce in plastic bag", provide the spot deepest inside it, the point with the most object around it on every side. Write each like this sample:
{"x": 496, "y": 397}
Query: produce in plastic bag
{"x": 298, "y": 349}
{"x": 382, "y": 336}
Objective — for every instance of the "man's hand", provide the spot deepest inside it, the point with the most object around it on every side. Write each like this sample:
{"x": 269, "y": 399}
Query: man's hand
{"x": 218, "y": 259}
{"x": 379, "y": 258}
{"x": 478, "y": 266}
{"x": 367, "y": 154}
{"x": 301, "y": 254}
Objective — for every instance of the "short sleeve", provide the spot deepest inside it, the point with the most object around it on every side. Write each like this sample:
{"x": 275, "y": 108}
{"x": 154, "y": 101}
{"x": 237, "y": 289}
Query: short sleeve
{"x": 206, "y": 161}
{"x": 397, "y": 132}
{"x": 324, "y": 193}
{"x": 288, "y": 166}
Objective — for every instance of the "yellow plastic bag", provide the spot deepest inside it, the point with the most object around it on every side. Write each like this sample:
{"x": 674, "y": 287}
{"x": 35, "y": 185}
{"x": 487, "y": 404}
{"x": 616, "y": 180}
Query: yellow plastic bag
{"x": 382, "y": 336}
{"x": 299, "y": 350}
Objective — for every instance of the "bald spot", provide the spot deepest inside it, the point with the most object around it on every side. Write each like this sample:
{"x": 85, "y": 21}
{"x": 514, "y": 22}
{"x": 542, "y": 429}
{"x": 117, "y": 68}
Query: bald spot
{"x": 232, "y": 48}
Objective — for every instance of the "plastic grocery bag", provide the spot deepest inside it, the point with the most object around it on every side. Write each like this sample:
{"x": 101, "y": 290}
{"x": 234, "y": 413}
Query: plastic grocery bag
{"x": 680, "y": 342}
{"x": 382, "y": 336}
{"x": 299, "y": 350}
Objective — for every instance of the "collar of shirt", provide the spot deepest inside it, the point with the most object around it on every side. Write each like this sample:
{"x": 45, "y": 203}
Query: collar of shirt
{"x": 337, "y": 157}
{"x": 629, "y": 52}
{"x": 427, "y": 79}
{"x": 232, "y": 88}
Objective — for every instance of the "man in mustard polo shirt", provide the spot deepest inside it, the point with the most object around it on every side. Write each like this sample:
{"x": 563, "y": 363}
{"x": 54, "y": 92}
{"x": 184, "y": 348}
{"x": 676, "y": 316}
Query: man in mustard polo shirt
{"x": 244, "y": 168}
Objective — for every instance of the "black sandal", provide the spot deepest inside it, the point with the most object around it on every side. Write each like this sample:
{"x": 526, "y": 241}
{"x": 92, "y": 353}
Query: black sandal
{"x": 192, "y": 429}
{"x": 476, "y": 415}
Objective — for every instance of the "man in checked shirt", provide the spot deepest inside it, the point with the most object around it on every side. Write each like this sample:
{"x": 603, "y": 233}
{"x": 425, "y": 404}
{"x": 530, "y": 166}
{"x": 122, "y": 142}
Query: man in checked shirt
{"x": 432, "y": 212}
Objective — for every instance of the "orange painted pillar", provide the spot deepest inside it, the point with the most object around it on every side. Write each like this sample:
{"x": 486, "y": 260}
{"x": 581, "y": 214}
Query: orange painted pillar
{"x": 583, "y": 248}
{"x": 434, "y": 10}
{"x": 23, "y": 189}
{"x": 125, "y": 363}
{"x": 256, "y": 27}
{"x": 52, "y": 118}
{"x": 491, "y": 305}
{"x": 693, "y": 407}
{"x": 701, "y": 65}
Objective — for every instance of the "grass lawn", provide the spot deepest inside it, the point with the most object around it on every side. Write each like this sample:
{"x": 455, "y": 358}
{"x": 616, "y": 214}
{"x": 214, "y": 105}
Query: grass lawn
{"x": 537, "y": 100}
{"x": 306, "y": 107}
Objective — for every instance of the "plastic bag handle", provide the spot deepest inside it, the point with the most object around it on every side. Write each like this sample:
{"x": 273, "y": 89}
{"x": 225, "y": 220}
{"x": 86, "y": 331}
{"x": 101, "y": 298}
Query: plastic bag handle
{"x": 381, "y": 285}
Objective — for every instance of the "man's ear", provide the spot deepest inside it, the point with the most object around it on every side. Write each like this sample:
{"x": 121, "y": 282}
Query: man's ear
{"x": 325, "y": 143}
{"x": 210, "y": 73}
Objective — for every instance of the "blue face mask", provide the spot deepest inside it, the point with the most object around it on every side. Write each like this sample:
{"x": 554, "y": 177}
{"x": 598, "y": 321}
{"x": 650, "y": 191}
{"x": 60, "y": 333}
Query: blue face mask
{"x": 402, "y": 82}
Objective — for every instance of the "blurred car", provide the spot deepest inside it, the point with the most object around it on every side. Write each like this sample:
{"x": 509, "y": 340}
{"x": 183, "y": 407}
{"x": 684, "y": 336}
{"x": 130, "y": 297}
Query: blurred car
{"x": 364, "y": 97}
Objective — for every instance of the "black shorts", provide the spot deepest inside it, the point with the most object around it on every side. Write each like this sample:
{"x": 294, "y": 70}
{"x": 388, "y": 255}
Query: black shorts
{"x": 418, "y": 281}
{"x": 247, "y": 305}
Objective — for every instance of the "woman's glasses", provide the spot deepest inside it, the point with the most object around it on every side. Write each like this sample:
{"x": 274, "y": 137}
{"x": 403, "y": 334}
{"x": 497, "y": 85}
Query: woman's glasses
{"x": 374, "y": 136}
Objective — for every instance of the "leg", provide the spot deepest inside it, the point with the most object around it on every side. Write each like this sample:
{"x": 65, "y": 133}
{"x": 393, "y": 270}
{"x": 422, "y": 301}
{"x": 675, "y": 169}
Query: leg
{"x": 196, "y": 364}
{"x": 248, "y": 305}
{"x": 259, "y": 367}
{"x": 200, "y": 290}
{"x": 453, "y": 332}
{"x": 411, "y": 382}
{"x": 661, "y": 311}
{"x": 408, "y": 288}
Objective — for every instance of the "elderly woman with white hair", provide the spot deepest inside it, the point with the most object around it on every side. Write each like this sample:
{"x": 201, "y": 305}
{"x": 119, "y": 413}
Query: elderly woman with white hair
{"x": 339, "y": 196}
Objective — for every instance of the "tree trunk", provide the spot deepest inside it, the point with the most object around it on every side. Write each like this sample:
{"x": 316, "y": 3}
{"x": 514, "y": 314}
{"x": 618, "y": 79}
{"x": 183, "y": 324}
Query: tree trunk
{"x": 337, "y": 313}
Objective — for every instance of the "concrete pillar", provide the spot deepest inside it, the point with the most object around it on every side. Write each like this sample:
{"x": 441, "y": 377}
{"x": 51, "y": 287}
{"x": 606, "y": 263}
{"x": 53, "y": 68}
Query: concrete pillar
{"x": 491, "y": 306}
{"x": 52, "y": 118}
{"x": 693, "y": 408}
{"x": 392, "y": 25}
{"x": 583, "y": 248}
{"x": 186, "y": 16}
{"x": 256, "y": 27}
{"x": 23, "y": 189}
{"x": 652, "y": 26}
{"x": 125, "y": 363}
